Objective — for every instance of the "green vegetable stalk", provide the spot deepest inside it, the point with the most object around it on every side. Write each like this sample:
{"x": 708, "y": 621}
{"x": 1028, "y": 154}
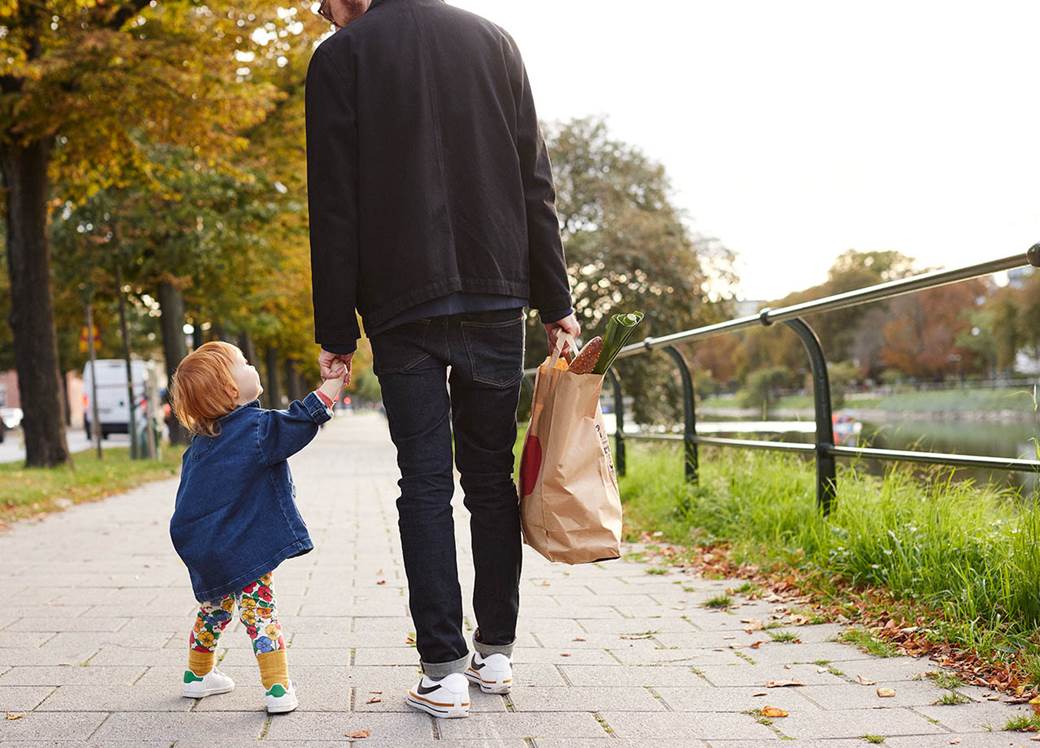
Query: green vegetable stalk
{"x": 619, "y": 330}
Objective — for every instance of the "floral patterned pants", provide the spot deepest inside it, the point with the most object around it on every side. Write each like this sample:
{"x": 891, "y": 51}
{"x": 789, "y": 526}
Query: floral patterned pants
{"x": 256, "y": 610}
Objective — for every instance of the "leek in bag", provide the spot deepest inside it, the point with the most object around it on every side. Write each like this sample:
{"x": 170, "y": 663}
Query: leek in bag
{"x": 619, "y": 330}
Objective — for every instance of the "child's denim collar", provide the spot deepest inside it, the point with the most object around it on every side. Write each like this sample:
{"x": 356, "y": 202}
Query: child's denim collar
{"x": 240, "y": 408}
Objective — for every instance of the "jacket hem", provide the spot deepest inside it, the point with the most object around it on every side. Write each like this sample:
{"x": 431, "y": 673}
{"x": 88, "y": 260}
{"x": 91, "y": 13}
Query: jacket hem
{"x": 377, "y": 317}
{"x": 297, "y": 548}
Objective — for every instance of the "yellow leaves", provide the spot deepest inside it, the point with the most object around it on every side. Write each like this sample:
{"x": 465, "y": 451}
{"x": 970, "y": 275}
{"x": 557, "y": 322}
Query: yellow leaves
{"x": 886, "y": 693}
{"x": 773, "y": 712}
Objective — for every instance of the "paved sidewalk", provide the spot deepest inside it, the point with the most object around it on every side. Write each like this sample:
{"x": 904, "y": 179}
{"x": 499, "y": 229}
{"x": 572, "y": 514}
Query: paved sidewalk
{"x": 94, "y": 629}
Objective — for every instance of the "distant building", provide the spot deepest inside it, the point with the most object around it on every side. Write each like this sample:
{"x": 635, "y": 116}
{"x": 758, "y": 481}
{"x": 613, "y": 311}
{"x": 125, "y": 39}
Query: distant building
{"x": 9, "y": 389}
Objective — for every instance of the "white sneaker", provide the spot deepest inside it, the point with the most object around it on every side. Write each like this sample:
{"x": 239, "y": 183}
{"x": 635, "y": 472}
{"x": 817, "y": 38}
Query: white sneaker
{"x": 280, "y": 699}
{"x": 446, "y": 698}
{"x": 213, "y": 682}
{"x": 494, "y": 673}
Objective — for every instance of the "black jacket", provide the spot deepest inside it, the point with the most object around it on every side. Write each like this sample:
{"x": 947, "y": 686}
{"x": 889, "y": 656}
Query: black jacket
{"x": 426, "y": 170}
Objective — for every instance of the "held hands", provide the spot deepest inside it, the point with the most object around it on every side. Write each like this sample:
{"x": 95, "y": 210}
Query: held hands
{"x": 331, "y": 388}
{"x": 569, "y": 325}
{"x": 335, "y": 365}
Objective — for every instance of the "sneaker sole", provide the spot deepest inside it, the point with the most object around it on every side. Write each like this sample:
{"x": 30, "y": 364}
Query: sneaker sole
{"x": 283, "y": 708}
{"x": 489, "y": 686}
{"x": 204, "y": 694}
{"x": 442, "y": 711}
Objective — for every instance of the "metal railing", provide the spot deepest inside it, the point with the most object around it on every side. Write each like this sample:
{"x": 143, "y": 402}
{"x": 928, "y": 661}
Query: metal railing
{"x": 824, "y": 448}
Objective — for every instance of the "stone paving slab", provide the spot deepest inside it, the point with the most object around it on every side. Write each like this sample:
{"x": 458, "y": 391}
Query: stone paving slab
{"x": 93, "y": 640}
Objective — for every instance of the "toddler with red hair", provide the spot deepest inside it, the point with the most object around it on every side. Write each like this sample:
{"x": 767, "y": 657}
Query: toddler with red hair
{"x": 235, "y": 518}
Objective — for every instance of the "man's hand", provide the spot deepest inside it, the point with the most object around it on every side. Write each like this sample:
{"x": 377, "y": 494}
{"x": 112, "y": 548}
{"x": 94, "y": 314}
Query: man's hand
{"x": 335, "y": 365}
{"x": 568, "y": 324}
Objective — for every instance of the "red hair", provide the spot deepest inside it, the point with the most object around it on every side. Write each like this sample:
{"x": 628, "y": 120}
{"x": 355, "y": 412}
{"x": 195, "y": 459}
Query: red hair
{"x": 204, "y": 388}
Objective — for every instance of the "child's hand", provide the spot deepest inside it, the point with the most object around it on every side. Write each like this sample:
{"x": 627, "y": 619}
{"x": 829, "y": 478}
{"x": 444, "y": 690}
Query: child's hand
{"x": 331, "y": 388}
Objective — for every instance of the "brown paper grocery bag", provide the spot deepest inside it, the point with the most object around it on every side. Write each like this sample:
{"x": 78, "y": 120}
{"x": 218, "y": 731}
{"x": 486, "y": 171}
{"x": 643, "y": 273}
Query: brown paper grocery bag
{"x": 570, "y": 507}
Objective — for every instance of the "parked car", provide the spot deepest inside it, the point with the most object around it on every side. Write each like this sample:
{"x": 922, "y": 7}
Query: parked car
{"x": 10, "y": 419}
{"x": 112, "y": 393}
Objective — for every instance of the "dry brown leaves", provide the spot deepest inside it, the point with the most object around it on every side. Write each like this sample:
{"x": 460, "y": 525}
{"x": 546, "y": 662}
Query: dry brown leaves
{"x": 357, "y": 734}
{"x": 773, "y": 712}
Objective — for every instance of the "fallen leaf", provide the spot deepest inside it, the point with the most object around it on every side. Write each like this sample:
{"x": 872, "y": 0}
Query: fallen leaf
{"x": 565, "y": 654}
{"x": 865, "y": 681}
{"x": 773, "y": 711}
{"x": 760, "y": 693}
{"x": 822, "y": 670}
{"x": 15, "y": 715}
{"x": 578, "y": 639}
{"x": 886, "y": 693}
{"x": 783, "y": 683}
{"x": 374, "y": 700}
{"x": 357, "y": 734}
{"x": 380, "y": 581}
{"x": 955, "y": 741}
{"x": 756, "y": 645}
{"x": 410, "y": 640}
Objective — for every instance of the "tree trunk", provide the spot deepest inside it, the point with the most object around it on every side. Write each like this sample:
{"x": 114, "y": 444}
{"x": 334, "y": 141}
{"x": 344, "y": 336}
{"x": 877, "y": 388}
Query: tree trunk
{"x": 24, "y": 171}
{"x": 274, "y": 396}
{"x": 245, "y": 344}
{"x": 292, "y": 380}
{"x": 171, "y": 301}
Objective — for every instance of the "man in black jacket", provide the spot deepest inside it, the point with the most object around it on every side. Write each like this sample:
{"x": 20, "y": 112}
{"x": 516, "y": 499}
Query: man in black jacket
{"x": 432, "y": 214}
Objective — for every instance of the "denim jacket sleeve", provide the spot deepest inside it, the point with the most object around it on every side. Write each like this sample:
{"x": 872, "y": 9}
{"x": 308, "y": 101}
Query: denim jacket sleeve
{"x": 283, "y": 433}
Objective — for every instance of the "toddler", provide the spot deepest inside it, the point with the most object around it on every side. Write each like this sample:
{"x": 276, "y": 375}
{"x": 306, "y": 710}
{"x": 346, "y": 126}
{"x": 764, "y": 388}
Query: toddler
{"x": 235, "y": 518}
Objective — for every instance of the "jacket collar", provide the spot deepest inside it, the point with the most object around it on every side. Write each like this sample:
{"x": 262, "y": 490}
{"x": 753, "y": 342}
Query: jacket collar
{"x": 240, "y": 408}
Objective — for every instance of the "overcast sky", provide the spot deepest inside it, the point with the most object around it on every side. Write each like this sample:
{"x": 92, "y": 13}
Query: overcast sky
{"x": 796, "y": 130}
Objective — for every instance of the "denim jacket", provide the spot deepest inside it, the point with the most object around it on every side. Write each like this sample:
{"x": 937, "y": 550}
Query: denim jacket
{"x": 236, "y": 518}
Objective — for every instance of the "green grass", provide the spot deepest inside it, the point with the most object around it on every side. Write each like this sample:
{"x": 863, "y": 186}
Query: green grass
{"x": 952, "y": 698}
{"x": 785, "y": 637}
{"x": 946, "y": 680}
{"x": 972, "y": 552}
{"x": 719, "y": 602}
{"x": 868, "y": 642}
{"x": 875, "y": 739}
{"x": 27, "y": 492}
{"x": 1023, "y": 724}
{"x": 747, "y": 588}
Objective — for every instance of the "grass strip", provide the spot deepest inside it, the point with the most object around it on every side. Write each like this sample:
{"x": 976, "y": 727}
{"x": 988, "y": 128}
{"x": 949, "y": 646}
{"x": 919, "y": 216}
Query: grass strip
{"x": 27, "y": 492}
{"x": 956, "y": 565}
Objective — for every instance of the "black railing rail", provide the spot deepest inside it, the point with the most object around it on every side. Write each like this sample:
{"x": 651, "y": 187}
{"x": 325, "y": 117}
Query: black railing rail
{"x": 824, "y": 449}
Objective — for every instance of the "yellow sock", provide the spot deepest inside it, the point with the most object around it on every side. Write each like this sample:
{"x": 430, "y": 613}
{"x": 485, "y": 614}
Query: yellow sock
{"x": 274, "y": 668}
{"x": 200, "y": 663}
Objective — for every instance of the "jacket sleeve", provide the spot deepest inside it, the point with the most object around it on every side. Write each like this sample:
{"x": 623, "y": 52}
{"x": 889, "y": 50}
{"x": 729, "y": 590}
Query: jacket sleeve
{"x": 283, "y": 433}
{"x": 550, "y": 289}
{"x": 332, "y": 194}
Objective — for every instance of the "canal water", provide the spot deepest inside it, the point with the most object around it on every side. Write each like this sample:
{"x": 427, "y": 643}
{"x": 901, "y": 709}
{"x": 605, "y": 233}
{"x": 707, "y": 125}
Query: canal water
{"x": 1015, "y": 439}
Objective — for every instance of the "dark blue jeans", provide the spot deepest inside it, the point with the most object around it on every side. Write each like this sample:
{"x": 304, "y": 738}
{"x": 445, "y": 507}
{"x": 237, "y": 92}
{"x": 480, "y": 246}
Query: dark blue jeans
{"x": 477, "y": 403}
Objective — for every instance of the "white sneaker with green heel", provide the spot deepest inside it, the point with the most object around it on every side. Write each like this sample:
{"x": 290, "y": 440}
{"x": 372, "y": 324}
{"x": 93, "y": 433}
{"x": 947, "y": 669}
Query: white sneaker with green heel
{"x": 280, "y": 699}
{"x": 210, "y": 684}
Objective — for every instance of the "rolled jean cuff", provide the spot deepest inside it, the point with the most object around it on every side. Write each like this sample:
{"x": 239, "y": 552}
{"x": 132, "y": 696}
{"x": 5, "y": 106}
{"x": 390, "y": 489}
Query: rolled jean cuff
{"x": 438, "y": 670}
{"x": 486, "y": 650}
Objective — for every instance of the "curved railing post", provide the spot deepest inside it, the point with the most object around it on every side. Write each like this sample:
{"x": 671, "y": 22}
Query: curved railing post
{"x": 689, "y": 414}
{"x": 826, "y": 472}
{"x": 619, "y": 419}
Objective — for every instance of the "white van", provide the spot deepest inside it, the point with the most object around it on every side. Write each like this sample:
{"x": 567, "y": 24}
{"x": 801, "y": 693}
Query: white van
{"x": 113, "y": 412}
